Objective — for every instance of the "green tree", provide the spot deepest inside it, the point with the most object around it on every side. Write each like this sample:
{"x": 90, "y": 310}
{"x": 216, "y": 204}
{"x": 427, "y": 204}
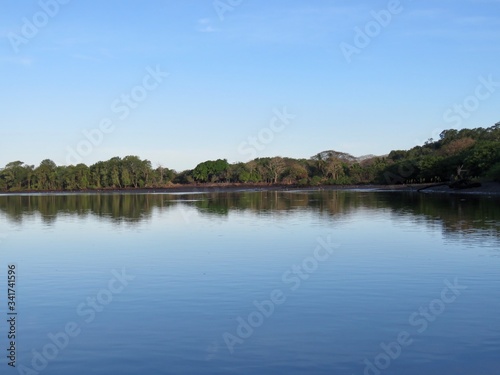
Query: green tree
{"x": 212, "y": 171}
{"x": 14, "y": 175}
{"x": 482, "y": 157}
{"x": 46, "y": 175}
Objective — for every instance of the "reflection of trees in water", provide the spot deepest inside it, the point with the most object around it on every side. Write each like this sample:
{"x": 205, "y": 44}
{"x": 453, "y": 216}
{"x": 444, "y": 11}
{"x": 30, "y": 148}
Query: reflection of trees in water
{"x": 117, "y": 207}
{"x": 325, "y": 203}
{"x": 470, "y": 218}
{"x": 457, "y": 216}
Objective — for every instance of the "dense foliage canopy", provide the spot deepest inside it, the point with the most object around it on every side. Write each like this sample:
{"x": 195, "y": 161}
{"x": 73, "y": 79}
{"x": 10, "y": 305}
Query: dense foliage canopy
{"x": 472, "y": 153}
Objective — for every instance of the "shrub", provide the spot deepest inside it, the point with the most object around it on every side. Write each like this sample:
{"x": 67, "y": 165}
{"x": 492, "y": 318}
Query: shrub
{"x": 316, "y": 180}
{"x": 494, "y": 172}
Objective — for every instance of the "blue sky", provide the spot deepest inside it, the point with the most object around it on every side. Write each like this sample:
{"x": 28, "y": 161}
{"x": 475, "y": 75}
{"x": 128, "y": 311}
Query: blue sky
{"x": 227, "y": 76}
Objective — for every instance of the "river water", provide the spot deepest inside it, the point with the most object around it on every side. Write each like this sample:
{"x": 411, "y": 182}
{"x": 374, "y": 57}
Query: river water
{"x": 329, "y": 282}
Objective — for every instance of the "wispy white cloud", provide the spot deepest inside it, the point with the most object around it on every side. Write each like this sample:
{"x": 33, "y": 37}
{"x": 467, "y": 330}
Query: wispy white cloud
{"x": 451, "y": 23}
{"x": 330, "y": 10}
{"x": 95, "y": 56}
{"x": 205, "y": 26}
{"x": 429, "y": 13}
{"x": 303, "y": 24}
{"x": 480, "y": 21}
{"x": 24, "y": 61}
{"x": 80, "y": 56}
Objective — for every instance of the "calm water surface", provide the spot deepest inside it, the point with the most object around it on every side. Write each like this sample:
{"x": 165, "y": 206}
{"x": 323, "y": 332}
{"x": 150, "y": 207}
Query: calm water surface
{"x": 253, "y": 283}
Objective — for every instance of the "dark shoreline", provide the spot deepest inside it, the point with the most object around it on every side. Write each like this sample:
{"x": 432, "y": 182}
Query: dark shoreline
{"x": 487, "y": 188}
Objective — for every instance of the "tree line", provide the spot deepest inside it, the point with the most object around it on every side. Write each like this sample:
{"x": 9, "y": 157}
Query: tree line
{"x": 466, "y": 153}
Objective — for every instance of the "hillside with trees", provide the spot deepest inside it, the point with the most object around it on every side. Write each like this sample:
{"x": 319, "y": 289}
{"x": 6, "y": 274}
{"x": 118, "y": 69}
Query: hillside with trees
{"x": 472, "y": 154}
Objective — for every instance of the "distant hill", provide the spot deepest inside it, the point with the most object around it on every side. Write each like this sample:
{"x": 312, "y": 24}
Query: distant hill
{"x": 370, "y": 156}
{"x": 348, "y": 158}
